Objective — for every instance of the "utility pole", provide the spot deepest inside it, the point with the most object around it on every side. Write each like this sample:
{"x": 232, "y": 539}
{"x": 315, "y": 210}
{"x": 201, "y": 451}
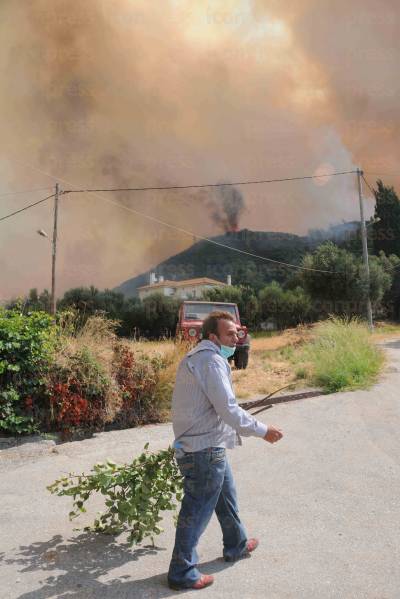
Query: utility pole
{"x": 364, "y": 246}
{"x": 53, "y": 254}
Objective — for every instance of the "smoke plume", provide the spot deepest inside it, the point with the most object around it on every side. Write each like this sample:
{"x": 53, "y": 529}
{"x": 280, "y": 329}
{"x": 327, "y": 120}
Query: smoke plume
{"x": 122, "y": 93}
{"x": 227, "y": 208}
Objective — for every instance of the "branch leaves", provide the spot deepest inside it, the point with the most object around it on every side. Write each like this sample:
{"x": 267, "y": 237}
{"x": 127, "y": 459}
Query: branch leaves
{"x": 135, "y": 494}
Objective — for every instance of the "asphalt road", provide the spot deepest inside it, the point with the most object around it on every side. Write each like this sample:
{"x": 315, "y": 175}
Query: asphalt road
{"x": 324, "y": 501}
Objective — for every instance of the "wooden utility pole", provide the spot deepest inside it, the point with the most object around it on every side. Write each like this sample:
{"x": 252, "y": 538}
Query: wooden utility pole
{"x": 365, "y": 247}
{"x": 54, "y": 253}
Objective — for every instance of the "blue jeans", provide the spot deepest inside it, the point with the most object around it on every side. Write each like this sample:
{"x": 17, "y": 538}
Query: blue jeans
{"x": 208, "y": 486}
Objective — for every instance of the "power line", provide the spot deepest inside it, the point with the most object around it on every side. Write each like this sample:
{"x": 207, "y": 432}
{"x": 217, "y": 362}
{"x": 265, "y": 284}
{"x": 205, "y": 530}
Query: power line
{"x": 26, "y": 207}
{"x": 217, "y": 243}
{"x": 202, "y": 185}
{"x": 11, "y": 193}
{"x": 368, "y": 185}
{"x": 159, "y": 221}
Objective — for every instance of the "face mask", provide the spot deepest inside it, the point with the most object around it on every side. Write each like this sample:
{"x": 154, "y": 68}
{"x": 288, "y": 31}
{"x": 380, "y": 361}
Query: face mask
{"x": 226, "y": 351}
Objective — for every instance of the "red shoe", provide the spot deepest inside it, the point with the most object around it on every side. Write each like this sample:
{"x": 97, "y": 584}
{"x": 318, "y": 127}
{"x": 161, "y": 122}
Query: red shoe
{"x": 250, "y": 546}
{"x": 205, "y": 580}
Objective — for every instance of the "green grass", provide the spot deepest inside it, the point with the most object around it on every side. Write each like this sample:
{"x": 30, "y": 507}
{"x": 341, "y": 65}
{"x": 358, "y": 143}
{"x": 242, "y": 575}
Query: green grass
{"x": 301, "y": 372}
{"x": 264, "y": 334}
{"x": 287, "y": 353}
{"x": 268, "y": 353}
{"x": 343, "y": 356}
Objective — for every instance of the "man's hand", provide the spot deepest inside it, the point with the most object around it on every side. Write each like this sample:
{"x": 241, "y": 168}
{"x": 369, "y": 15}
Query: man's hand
{"x": 273, "y": 434}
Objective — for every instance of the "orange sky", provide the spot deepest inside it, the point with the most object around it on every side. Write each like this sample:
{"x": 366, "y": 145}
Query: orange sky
{"x": 124, "y": 92}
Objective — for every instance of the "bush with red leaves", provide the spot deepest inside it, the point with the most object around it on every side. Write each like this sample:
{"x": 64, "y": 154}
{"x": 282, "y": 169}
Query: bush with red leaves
{"x": 70, "y": 409}
{"x": 137, "y": 378}
{"x": 77, "y": 392}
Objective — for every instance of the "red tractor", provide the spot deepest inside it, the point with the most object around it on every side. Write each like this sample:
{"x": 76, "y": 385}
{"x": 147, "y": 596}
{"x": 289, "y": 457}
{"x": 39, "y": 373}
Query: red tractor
{"x": 190, "y": 322}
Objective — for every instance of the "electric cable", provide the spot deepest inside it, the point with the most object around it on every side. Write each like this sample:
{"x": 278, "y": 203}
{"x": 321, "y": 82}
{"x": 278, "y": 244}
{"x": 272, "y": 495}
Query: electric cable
{"x": 26, "y": 207}
{"x": 207, "y": 239}
{"x": 190, "y": 233}
{"x": 202, "y": 185}
{"x": 368, "y": 185}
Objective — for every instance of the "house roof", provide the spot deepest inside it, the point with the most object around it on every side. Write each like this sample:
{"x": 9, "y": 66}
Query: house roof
{"x": 186, "y": 283}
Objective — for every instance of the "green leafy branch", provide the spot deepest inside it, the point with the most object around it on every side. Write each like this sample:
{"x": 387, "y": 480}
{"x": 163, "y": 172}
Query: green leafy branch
{"x": 135, "y": 494}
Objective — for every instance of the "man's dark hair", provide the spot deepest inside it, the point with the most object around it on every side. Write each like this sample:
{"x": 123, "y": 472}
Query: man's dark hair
{"x": 210, "y": 324}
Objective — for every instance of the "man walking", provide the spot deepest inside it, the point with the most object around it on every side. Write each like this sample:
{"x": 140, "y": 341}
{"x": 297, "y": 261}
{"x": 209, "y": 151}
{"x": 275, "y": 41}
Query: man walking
{"x": 206, "y": 421}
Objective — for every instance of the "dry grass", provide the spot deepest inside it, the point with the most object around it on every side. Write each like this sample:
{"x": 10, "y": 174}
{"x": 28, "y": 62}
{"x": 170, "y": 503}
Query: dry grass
{"x": 274, "y": 361}
{"x": 171, "y": 352}
{"x": 268, "y": 369}
{"x": 385, "y": 330}
{"x": 97, "y": 335}
{"x": 153, "y": 348}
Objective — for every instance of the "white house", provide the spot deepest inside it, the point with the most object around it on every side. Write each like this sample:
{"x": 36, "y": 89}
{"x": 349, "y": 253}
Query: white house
{"x": 189, "y": 289}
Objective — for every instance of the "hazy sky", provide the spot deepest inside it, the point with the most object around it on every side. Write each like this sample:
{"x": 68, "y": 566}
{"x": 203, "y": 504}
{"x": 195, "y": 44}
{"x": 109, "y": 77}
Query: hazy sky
{"x": 139, "y": 93}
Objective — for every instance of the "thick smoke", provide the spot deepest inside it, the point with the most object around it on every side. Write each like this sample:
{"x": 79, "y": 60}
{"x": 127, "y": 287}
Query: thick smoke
{"x": 120, "y": 92}
{"x": 227, "y": 208}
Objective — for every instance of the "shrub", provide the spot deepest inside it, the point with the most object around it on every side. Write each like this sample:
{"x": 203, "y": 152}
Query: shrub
{"x": 82, "y": 393}
{"x": 13, "y": 416}
{"x": 27, "y": 343}
{"x": 71, "y": 376}
{"x": 77, "y": 391}
{"x": 287, "y": 307}
{"x": 99, "y": 381}
{"x": 342, "y": 355}
{"x": 137, "y": 376}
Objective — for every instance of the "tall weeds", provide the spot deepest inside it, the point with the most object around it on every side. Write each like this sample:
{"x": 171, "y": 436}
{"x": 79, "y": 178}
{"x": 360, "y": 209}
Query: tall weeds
{"x": 342, "y": 355}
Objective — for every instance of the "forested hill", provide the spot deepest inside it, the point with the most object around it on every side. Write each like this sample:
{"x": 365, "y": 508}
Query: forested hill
{"x": 204, "y": 259}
